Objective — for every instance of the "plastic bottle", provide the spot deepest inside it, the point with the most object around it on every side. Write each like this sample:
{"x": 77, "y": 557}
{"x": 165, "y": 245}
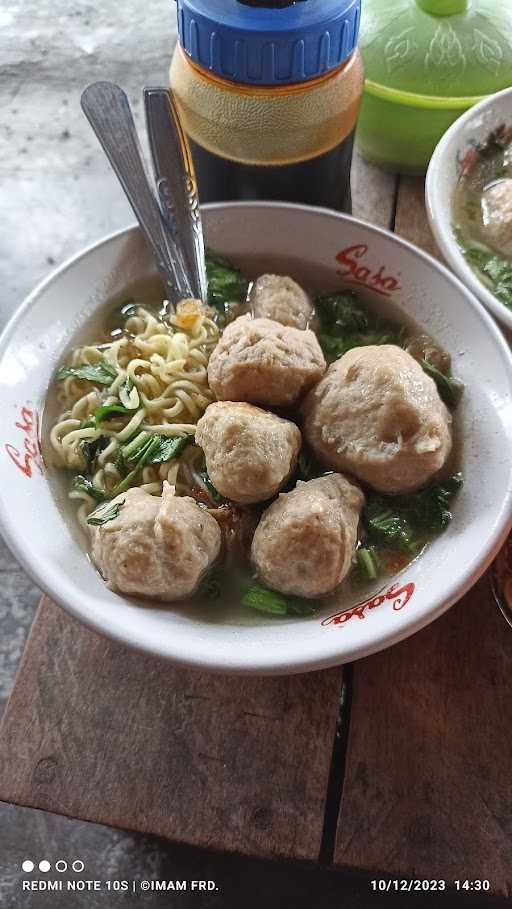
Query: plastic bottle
{"x": 269, "y": 95}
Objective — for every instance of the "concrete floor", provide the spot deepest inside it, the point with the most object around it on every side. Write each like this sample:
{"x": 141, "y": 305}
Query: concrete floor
{"x": 58, "y": 194}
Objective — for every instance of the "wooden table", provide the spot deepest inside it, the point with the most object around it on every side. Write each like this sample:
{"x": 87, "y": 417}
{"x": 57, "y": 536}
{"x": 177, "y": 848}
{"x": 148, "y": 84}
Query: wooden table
{"x": 399, "y": 766}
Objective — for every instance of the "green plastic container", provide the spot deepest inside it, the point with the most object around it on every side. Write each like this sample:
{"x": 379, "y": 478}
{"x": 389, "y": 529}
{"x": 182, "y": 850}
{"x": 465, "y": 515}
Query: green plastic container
{"x": 426, "y": 62}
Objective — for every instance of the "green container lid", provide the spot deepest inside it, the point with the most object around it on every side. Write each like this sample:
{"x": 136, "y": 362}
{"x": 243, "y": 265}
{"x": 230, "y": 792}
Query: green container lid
{"x": 434, "y": 55}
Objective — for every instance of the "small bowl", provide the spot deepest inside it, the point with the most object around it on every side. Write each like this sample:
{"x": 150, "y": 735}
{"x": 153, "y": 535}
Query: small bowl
{"x": 444, "y": 173}
{"x": 427, "y": 61}
{"x": 39, "y": 525}
{"x": 399, "y": 130}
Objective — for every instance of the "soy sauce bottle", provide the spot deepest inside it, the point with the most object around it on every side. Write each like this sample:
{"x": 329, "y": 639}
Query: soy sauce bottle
{"x": 269, "y": 94}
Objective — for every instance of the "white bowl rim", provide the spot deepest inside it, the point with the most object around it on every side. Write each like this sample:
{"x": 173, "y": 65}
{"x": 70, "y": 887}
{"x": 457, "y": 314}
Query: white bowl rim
{"x": 443, "y": 230}
{"x": 323, "y": 656}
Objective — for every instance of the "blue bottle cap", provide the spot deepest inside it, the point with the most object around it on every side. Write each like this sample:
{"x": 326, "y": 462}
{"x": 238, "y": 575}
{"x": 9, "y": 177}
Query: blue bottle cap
{"x": 269, "y": 44}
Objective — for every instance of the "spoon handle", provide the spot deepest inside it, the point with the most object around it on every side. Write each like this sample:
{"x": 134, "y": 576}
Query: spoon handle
{"x": 176, "y": 182}
{"x": 108, "y": 110}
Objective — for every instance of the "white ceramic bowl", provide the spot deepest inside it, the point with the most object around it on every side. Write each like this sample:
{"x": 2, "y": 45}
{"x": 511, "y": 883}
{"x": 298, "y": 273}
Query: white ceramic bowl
{"x": 444, "y": 172}
{"x": 48, "y": 545}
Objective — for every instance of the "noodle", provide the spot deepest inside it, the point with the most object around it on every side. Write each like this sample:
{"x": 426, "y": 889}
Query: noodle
{"x": 159, "y": 373}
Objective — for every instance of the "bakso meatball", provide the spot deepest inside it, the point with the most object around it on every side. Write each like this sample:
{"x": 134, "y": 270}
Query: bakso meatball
{"x": 156, "y": 547}
{"x": 282, "y": 299}
{"x": 377, "y": 415}
{"x": 261, "y": 361}
{"x": 497, "y": 216}
{"x": 249, "y": 452}
{"x": 306, "y": 540}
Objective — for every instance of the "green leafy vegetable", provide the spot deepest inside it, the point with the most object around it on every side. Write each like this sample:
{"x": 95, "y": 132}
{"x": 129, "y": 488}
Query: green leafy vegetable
{"x": 166, "y": 450}
{"x": 101, "y": 373}
{"x": 128, "y": 394}
{"x": 495, "y": 271}
{"x": 146, "y": 452}
{"x": 213, "y": 493}
{"x": 111, "y": 412}
{"x": 147, "y": 449}
{"x": 345, "y": 323}
{"x": 264, "y": 600}
{"x": 169, "y": 449}
{"x": 491, "y": 160}
{"x": 105, "y": 514}
{"x": 130, "y": 452}
{"x": 387, "y": 524}
{"x": 430, "y": 509}
{"x": 404, "y": 522}
{"x": 225, "y": 282}
{"x": 299, "y": 606}
{"x": 227, "y": 287}
{"x": 91, "y": 449}
{"x": 368, "y": 562}
{"x": 450, "y": 390}
{"x": 342, "y": 311}
{"x": 84, "y": 484}
{"x": 211, "y": 586}
{"x": 498, "y": 140}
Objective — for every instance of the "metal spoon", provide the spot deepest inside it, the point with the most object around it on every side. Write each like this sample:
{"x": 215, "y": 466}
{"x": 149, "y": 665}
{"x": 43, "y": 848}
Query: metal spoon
{"x": 176, "y": 241}
{"x": 176, "y": 182}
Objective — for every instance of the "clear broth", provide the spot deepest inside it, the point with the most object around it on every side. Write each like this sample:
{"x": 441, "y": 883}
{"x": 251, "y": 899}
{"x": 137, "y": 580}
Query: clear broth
{"x": 227, "y": 609}
{"x": 487, "y": 166}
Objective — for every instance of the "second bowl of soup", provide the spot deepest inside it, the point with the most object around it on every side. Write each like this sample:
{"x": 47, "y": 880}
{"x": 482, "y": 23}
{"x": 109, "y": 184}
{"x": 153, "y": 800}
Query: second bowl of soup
{"x": 469, "y": 201}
